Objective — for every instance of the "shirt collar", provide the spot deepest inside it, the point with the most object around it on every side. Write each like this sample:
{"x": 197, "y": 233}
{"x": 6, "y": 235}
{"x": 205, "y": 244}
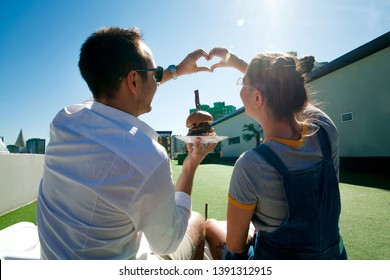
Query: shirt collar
{"x": 125, "y": 120}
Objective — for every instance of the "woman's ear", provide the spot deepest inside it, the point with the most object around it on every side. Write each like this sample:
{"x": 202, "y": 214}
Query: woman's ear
{"x": 259, "y": 99}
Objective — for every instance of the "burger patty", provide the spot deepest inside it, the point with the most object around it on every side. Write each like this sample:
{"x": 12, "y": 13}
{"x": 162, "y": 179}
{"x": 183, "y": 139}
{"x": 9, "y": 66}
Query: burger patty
{"x": 201, "y": 129}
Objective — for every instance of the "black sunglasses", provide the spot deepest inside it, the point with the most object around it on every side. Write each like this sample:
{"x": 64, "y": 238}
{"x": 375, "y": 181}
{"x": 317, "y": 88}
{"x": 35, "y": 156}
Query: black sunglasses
{"x": 159, "y": 71}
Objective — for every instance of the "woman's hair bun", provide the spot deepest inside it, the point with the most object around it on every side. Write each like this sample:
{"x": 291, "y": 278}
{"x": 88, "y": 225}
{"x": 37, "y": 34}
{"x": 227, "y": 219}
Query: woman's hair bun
{"x": 306, "y": 64}
{"x": 285, "y": 63}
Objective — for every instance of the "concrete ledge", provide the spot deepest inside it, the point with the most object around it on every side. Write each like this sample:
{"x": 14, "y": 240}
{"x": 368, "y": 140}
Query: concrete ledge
{"x": 20, "y": 175}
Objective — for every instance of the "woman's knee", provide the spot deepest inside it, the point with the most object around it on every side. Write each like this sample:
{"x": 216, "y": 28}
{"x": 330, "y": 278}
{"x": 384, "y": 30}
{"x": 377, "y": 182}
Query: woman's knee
{"x": 213, "y": 227}
{"x": 210, "y": 224}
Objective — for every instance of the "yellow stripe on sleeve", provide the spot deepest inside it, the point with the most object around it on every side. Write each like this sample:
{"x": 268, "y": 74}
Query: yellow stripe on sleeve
{"x": 241, "y": 205}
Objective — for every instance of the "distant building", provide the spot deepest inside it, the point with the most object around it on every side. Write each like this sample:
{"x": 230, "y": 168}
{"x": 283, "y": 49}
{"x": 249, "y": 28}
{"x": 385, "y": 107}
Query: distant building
{"x": 20, "y": 140}
{"x": 36, "y": 146}
{"x": 13, "y": 149}
{"x": 178, "y": 147}
{"x": 218, "y": 111}
{"x": 165, "y": 140}
{"x": 33, "y": 146}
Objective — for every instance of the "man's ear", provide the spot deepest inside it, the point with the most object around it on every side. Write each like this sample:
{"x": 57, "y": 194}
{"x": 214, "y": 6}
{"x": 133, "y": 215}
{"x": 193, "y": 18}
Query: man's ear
{"x": 132, "y": 81}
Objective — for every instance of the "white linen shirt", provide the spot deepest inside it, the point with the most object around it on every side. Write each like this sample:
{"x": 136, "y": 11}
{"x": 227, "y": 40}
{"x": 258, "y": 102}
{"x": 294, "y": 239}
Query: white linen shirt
{"x": 106, "y": 182}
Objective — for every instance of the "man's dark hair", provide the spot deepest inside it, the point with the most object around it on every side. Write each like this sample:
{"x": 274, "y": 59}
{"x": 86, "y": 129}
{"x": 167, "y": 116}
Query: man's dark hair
{"x": 106, "y": 55}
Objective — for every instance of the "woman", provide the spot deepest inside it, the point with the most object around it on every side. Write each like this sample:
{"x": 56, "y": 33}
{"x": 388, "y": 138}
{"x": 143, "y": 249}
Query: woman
{"x": 286, "y": 187}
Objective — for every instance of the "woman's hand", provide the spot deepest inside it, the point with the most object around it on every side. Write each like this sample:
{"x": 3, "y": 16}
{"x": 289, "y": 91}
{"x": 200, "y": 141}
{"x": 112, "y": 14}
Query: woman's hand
{"x": 228, "y": 59}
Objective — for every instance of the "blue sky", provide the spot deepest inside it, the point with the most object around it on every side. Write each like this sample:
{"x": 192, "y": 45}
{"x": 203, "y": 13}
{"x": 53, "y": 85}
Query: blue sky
{"x": 40, "y": 42}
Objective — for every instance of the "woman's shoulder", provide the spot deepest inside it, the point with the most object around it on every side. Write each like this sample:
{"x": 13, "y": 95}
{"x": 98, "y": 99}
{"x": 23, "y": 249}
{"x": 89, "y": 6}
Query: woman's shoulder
{"x": 247, "y": 157}
{"x": 318, "y": 117}
{"x": 250, "y": 161}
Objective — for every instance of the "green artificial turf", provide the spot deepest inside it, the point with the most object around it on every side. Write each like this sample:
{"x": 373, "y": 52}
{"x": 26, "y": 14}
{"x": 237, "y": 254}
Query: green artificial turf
{"x": 364, "y": 221}
{"x": 23, "y": 214}
{"x": 211, "y": 187}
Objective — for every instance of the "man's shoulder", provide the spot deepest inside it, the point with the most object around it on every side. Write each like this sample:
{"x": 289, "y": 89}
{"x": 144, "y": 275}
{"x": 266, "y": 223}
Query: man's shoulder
{"x": 127, "y": 142}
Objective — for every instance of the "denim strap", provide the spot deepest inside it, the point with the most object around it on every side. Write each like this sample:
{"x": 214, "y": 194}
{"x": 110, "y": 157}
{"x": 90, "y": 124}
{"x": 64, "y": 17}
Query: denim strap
{"x": 272, "y": 158}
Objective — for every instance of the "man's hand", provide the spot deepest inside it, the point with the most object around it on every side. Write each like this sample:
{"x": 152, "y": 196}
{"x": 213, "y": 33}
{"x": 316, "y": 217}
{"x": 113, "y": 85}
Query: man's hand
{"x": 191, "y": 162}
{"x": 198, "y": 152}
{"x": 189, "y": 63}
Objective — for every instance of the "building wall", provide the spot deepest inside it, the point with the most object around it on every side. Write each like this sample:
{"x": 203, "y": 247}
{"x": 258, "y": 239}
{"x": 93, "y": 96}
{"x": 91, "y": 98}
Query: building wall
{"x": 362, "y": 88}
{"x": 233, "y": 128}
{"x": 20, "y": 175}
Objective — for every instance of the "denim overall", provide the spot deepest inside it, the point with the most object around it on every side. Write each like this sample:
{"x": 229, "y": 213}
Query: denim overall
{"x": 310, "y": 231}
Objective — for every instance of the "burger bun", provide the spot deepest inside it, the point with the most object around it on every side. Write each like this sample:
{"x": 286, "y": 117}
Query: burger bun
{"x": 199, "y": 117}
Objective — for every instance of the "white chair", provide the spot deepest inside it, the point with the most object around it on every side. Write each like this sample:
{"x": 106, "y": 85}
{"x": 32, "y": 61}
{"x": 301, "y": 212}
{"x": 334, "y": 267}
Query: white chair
{"x": 20, "y": 242}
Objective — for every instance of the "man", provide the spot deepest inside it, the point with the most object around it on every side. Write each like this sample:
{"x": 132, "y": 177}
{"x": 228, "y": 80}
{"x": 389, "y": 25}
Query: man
{"x": 107, "y": 183}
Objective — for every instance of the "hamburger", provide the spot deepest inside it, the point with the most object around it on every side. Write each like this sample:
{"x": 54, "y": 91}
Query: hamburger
{"x": 198, "y": 124}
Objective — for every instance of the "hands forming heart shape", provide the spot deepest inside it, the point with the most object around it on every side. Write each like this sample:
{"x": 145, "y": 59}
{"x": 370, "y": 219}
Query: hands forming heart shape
{"x": 189, "y": 64}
